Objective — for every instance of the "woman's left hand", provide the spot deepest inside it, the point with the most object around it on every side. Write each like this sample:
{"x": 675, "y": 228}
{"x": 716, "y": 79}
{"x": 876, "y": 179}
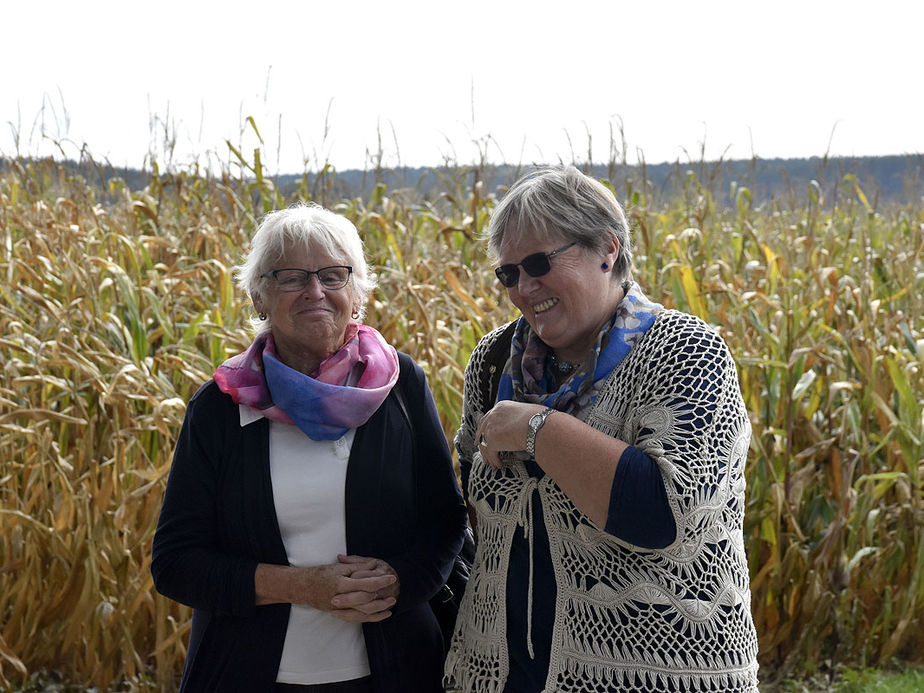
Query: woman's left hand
{"x": 349, "y": 603}
{"x": 504, "y": 428}
{"x": 576, "y": 456}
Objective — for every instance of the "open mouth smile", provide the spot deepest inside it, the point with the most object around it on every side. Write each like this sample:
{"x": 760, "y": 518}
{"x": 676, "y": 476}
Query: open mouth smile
{"x": 545, "y": 305}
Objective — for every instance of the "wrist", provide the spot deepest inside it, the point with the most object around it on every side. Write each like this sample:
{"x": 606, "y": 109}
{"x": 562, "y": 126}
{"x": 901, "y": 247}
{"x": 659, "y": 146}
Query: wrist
{"x": 272, "y": 584}
{"x": 536, "y": 421}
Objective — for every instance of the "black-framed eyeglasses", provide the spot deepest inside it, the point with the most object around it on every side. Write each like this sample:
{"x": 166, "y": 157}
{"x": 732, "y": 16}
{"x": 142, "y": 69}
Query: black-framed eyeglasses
{"x": 333, "y": 277}
{"x": 535, "y": 265}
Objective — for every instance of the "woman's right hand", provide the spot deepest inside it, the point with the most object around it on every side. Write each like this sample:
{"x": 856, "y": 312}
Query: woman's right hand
{"x": 316, "y": 586}
{"x": 503, "y": 429}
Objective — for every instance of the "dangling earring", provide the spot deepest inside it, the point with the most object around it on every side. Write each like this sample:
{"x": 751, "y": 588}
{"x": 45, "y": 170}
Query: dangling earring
{"x": 262, "y": 316}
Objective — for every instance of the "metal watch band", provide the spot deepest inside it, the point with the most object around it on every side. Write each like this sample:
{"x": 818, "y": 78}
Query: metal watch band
{"x": 536, "y": 422}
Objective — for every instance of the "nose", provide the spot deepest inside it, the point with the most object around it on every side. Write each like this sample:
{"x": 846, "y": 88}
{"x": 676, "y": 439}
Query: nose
{"x": 313, "y": 288}
{"x": 526, "y": 283}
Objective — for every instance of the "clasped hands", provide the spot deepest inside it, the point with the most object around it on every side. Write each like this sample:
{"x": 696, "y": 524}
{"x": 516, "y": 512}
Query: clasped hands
{"x": 357, "y": 589}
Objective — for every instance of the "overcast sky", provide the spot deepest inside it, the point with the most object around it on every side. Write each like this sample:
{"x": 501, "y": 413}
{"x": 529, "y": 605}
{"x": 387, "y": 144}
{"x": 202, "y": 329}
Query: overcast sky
{"x": 423, "y": 82}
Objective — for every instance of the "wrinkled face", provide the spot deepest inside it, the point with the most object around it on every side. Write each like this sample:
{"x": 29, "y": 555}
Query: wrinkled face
{"x": 307, "y": 325}
{"x": 568, "y": 306}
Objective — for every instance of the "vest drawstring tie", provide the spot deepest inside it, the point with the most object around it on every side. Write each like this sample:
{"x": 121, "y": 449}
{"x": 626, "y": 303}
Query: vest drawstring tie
{"x": 526, "y": 521}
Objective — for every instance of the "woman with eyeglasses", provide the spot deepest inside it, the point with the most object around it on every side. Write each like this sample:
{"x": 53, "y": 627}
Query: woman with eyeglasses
{"x": 306, "y": 520}
{"x": 602, "y": 451}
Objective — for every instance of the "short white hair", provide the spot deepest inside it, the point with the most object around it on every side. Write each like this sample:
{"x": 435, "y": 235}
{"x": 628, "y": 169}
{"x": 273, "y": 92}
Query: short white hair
{"x": 312, "y": 227}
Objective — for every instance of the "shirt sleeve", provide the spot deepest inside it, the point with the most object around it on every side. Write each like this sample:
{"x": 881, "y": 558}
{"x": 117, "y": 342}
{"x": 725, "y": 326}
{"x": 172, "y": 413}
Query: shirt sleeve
{"x": 191, "y": 562}
{"x": 639, "y": 510}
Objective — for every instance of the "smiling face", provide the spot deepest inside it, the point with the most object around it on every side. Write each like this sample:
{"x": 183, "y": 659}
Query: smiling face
{"x": 307, "y": 325}
{"x": 569, "y": 305}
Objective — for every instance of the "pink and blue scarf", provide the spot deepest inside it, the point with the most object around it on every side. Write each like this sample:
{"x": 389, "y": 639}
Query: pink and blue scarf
{"x": 346, "y": 389}
{"x": 526, "y": 377}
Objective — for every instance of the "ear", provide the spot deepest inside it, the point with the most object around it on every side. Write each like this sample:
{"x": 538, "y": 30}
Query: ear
{"x": 356, "y": 301}
{"x": 258, "y": 305}
{"x": 611, "y": 254}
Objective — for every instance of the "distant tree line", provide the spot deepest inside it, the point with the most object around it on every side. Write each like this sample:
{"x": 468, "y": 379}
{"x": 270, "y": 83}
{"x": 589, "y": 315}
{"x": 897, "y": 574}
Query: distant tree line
{"x": 897, "y": 178}
{"x": 885, "y": 178}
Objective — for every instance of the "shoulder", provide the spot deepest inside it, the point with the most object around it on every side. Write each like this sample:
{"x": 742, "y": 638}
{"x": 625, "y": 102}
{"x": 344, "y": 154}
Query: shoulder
{"x": 409, "y": 369}
{"x": 412, "y": 386}
{"x": 680, "y": 347}
{"x": 407, "y": 363}
{"x": 672, "y": 319}
{"x": 674, "y": 328}
{"x": 210, "y": 401}
{"x": 211, "y": 426}
{"x": 494, "y": 345}
{"x": 209, "y": 394}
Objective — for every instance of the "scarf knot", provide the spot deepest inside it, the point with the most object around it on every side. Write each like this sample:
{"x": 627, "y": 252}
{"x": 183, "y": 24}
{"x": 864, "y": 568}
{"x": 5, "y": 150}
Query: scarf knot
{"x": 343, "y": 393}
{"x": 527, "y": 376}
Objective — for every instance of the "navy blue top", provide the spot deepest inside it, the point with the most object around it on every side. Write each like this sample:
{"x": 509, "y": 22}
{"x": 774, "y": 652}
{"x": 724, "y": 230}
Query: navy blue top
{"x": 639, "y": 514}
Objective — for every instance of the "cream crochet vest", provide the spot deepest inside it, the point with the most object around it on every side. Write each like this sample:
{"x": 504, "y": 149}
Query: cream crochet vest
{"x": 627, "y": 619}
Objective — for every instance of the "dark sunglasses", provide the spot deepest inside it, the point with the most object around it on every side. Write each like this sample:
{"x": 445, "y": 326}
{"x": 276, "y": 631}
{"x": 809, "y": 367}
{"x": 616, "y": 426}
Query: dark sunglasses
{"x": 535, "y": 265}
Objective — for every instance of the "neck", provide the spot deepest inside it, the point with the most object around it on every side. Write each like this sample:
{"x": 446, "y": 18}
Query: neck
{"x": 576, "y": 353}
{"x": 561, "y": 368}
{"x": 303, "y": 363}
{"x": 301, "y": 359}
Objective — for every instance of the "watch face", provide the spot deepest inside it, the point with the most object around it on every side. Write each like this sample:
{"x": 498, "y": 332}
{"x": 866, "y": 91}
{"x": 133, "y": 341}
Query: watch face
{"x": 535, "y": 419}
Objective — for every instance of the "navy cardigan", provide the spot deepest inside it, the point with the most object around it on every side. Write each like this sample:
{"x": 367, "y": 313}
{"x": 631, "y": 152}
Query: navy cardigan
{"x": 218, "y": 521}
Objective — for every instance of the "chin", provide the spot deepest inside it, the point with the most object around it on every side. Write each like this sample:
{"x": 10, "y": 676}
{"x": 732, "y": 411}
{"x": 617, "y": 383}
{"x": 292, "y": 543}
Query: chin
{"x": 548, "y": 330}
{"x": 551, "y": 339}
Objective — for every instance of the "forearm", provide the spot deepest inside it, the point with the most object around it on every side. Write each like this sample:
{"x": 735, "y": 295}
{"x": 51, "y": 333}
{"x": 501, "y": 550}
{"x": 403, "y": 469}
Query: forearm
{"x": 619, "y": 487}
{"x": 579, "y": 458}
{"x": 202, "y": 579}
{"x": 356, "y": 588}
{"x": 273, "y": 584}
{"x": 582, "y": 461}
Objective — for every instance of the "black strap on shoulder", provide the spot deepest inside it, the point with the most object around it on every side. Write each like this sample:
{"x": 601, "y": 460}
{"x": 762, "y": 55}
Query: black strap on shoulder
{"x": 495, "y": 360}
{"x": 398, "y": 392}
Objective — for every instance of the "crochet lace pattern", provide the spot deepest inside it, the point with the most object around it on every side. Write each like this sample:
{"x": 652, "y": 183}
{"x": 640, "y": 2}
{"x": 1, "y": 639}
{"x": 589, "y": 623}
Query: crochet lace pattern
{"x": 627, "y": 619}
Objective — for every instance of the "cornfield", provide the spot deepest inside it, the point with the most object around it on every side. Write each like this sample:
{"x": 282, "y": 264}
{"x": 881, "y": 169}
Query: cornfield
{"x": 117, "y": 304}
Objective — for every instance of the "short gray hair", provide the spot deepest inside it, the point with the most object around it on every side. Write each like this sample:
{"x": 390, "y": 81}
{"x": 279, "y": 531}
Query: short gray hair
{"x": 307, "y": 225}
{"x": 563, "y": 201}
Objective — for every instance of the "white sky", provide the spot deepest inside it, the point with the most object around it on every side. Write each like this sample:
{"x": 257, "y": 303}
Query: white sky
{"x": 526, "y": 81}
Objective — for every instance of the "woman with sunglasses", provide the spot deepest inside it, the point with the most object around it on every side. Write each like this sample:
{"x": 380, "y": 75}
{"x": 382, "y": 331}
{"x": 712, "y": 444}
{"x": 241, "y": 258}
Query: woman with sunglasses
{"x": 604, "y": 478}
{"x": 304, "y": 520}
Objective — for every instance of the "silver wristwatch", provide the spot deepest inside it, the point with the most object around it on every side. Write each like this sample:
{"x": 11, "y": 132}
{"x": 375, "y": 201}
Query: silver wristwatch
{"x": 535, "y": 423}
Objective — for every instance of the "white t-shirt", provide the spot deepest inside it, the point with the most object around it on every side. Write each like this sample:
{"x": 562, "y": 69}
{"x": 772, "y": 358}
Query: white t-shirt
{"x": 309, "y": 478}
